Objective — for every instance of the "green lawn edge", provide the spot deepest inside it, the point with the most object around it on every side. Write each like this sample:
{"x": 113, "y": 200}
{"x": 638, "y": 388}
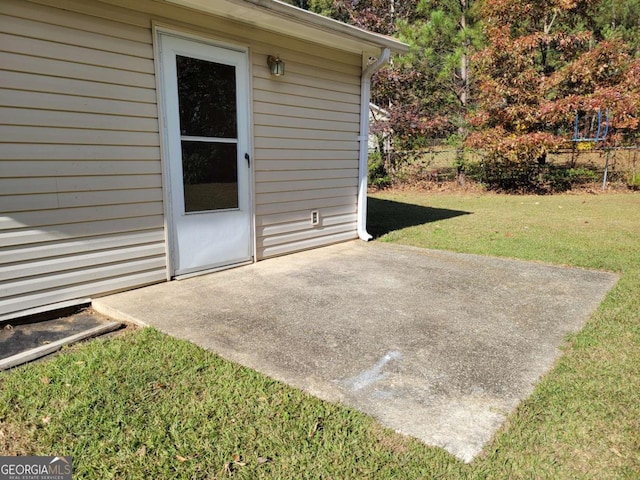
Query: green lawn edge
{"x": 145, "y": 405}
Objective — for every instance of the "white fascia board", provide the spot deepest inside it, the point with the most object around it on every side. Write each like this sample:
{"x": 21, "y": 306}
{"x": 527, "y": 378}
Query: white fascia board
{"x": 286, "y": 19}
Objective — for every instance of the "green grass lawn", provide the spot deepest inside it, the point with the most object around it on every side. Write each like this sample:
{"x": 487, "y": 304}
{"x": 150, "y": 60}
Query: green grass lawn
{"x": 144, "y": 405}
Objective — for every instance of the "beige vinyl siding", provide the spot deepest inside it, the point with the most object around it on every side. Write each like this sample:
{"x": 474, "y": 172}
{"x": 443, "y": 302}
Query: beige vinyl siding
{"x": 81, "y": 210}
{"x": 306, "y": 128}
{"x": 305, "y": 123}
{"x": 81, "y": 203}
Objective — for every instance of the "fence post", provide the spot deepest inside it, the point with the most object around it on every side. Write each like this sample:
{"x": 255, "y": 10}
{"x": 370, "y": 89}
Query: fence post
{"x": 606, "y": 170}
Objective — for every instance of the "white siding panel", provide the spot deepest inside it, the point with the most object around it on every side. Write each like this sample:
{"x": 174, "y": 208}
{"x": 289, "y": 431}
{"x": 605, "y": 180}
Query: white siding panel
{"x": 82, "y": 275}
{"x": 273, "y": 166}
{"x": 81, "y": 203}
{"x": 306, "y": 90}
{"x": 306, "y": 126}
{"x": 67, "y": 18}
{"x": 295, "y": 196}
{"x": 93, "y": 166}
{"x": 306, "y": 78}
{"x": 299, "y": 217}
{"x": 304, "y": 133}
{"x": 64, "y": 216}
{"x": 307, "y": 102}
{"x": 78, "y": 152}
{"x": 295, "y": 237}
{"x": 305, "y": 206}
{"x": 74, "y": 262}
{"x": 54, "y": 201}
{"x": 75, "y": 136}
{"x": 333, "y": 63}
{"x": 280, "y": 121}
{"x": 297, "y": 144}
{"x": 274, "y": 233}
{"x": 284, "y": 153}
{"x": 297, "y": 111}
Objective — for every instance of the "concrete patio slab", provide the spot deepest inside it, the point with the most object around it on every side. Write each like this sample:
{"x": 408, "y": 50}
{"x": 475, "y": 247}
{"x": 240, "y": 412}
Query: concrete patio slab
{"x": 437, "y": 345}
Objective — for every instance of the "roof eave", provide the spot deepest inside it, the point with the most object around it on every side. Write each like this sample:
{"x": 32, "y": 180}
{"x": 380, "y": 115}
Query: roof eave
{"x": 276, "y": 16}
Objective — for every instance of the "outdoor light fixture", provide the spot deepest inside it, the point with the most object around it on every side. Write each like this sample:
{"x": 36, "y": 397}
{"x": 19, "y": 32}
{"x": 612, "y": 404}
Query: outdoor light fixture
{"x": 276, "y": 66}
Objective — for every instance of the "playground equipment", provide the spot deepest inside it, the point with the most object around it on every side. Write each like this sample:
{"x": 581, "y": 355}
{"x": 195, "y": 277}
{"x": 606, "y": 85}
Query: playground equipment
{"x": 591, "y": 129}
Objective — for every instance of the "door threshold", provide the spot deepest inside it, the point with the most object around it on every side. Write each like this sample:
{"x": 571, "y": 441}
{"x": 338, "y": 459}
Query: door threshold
{"x": 184, "y": 276}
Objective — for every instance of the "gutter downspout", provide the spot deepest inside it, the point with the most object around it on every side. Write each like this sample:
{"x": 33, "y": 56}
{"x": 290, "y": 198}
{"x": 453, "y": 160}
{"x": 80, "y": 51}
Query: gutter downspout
{"x": 363, "y": 160}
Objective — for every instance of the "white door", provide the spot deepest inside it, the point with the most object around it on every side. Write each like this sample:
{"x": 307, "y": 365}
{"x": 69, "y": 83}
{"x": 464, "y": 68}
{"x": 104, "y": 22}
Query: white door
{"x": 205, "y": 91}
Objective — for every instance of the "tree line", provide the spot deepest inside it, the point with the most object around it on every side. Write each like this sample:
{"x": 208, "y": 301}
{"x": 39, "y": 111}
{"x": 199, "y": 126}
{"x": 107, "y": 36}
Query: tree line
{"x": 507, "y": 77}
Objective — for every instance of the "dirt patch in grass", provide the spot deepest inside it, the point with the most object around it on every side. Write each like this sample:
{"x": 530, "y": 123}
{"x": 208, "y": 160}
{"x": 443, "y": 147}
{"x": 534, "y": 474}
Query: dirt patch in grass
{"x": 15, "y": 439}
{"x": 389, "y": 440}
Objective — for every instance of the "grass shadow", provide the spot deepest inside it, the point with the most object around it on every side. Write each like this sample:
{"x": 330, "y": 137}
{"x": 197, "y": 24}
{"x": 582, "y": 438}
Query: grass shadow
{"x": 384, "y": 216}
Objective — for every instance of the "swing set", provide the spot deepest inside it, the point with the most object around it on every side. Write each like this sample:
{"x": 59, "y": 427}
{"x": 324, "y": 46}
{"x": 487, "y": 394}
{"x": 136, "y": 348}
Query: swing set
{"x": 593, "y": 128}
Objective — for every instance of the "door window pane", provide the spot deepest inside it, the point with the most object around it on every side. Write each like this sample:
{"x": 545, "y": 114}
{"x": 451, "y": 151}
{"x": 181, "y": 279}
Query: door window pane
{"x": 207, "y": 98}
{"x": 210, "y": 176}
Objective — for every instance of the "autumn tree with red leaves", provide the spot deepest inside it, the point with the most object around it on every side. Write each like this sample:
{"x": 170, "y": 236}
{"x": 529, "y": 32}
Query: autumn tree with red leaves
{"x": 537, "y": 64}
{"x": 536, "y": 72}
{"x": 426, "y": 93}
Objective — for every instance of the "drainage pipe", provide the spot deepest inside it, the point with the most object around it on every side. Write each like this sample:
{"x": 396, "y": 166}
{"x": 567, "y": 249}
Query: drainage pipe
{"x": 365, "y": 95}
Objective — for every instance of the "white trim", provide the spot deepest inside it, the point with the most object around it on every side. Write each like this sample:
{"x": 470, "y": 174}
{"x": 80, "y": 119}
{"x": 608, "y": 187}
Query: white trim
{"x": 252, "y": 157}
{"x": 170, "y": 235}
{"x": 166, "y": 189}
{"x": 197, "y": 36}
{"x": 209, "y": 139}
{"x": 363, "y": 160}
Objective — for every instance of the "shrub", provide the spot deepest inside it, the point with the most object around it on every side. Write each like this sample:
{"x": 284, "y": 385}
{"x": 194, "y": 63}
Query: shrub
{"x": 377, "y": 171}
{"x": 508, "y": 176}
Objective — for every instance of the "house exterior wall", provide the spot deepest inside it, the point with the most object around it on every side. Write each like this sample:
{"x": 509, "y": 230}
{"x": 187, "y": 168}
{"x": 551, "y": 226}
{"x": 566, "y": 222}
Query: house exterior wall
{"x": 80, "y": 174}
{"x": 81, "y": 188}
{"x": 306, "y": 128}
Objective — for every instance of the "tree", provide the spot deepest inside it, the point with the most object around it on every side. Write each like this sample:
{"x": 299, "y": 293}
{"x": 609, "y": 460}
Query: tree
{"x": 616, "y": 19}
{"x": 441, "y": 40}
{"x": 427, "y": 91}
{"x": 538, "y": 69}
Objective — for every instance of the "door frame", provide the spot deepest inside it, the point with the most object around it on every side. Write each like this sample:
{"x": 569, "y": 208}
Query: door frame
{"x": 169, "y": 230}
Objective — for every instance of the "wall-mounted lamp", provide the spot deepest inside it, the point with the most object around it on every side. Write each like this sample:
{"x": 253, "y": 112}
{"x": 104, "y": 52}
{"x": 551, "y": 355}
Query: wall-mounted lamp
{"x": 276, "y": 66}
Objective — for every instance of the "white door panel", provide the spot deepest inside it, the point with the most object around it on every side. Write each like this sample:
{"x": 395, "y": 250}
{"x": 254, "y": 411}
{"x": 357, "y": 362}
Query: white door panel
{"x": 205, "y": 93}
